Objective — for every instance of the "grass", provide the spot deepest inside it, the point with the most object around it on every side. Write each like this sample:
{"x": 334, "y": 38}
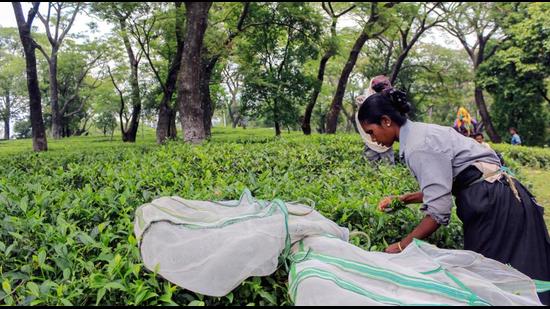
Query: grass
{"x": 538, "y": 180}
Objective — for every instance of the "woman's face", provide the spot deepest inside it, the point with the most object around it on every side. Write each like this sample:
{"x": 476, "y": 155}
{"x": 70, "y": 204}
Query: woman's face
{"x": 383, "y": 134}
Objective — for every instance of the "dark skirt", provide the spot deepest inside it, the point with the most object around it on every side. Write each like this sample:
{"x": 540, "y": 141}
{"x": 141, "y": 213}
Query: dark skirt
{"x": 499, "y": 227}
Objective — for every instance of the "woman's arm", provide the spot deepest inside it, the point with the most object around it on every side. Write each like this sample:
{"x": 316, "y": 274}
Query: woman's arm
{"x": 426, "y": 228}
{"x": 411, "y": 198}
{"x": 407, "y": 198}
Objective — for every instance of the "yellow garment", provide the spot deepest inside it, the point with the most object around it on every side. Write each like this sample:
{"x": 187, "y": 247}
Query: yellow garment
{"x": 463, "y": 117}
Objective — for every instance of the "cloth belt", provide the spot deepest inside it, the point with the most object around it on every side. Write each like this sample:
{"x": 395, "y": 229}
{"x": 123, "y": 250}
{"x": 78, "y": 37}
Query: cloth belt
{"x": 472, "y": 175}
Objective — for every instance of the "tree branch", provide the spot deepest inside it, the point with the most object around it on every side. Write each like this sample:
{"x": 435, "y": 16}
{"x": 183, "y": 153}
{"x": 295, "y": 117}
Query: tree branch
{"x": 240, "y": 23}
{"x": 46, "y": 22}
{"x": 345, "y": 11}
{"x": 425, "y": 67}
{"x": 79, "y": 84}
{"x": 58, "y": 21}
{"x": 41, "y": 49}
{"x": 462, "y": 39}
{"x": 543, "y": 93}
{"x": 70, "y": 23}
{"x": 83, "y": 101}
{"x": 32, "y": 12}
{"x": 121, "y": 111}
{"x": 490, "y": 34}
{"x": 146, "y": 34}
{"x": 331, "y": 9}
{"x": 244, "y": 13}
{"x": 326, "y": 9}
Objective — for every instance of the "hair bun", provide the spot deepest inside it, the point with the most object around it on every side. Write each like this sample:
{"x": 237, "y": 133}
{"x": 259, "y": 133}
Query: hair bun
{"x": 379, "y": 87}
{"x": 399, "y": 100}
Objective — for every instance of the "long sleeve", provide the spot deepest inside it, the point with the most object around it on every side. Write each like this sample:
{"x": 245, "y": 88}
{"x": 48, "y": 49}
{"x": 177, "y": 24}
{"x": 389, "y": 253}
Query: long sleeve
{"x": 434, "y": 173}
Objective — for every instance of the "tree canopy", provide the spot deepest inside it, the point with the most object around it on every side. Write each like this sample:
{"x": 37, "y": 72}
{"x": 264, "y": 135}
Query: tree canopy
{"x": 283, "y": 65}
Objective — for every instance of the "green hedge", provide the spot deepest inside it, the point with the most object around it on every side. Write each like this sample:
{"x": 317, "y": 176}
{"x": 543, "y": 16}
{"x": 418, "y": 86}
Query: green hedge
{"x": 66, "y": 216}
{"x": 527, "y": 156}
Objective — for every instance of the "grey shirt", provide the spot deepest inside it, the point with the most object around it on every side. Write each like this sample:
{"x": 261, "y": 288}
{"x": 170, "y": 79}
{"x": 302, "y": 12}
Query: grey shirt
{"x": 436, "y": 154}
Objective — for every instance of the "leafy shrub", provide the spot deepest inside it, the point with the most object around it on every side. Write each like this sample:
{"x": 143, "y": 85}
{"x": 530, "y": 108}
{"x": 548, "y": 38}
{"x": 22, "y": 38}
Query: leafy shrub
{"x": 23, "y": 129}
{"x": 522, "y": 155}
{"x": 66, "y": 216}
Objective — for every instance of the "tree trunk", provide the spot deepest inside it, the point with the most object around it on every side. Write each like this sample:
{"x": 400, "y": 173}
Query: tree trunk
{"x": 189, "y": 92}
{"x": 7, "y": 128}
{"x": 306, "y": 123}
{"x": 57, "y": 119}
{"x": 277, "y": 128}
{"x": 166, "y": 127}
{"x": 478, "y": 93}
{"x": 173, "y": 135}
{"x": 207, "y": 68}
{"x": 235, "y": 116}
{"x": 405, "y": 52}
{"x": 163, "y": 123}
{"x": 321, "y": 129}
{"x": 39, "y": 140}
{"x": 131, "y": 133}
{"x": 336, "y": 106}
{"x": 399, "y": 64}
{"x": 350, "y": 120}
{"x": 235, "y": 122}
{"x": 480, "y": 102}
{"x": 7, "y": 115}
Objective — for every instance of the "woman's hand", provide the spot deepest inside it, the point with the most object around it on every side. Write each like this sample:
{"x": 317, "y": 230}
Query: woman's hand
{"x": 407, "y": 198}
{"x": 426, "y": 227}
{"x": 394, "y": 248}
{"x": 385, "y": 202}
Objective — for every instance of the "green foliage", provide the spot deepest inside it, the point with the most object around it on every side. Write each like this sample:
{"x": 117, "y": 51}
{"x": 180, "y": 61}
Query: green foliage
{"x": 23, "y": 129}
{"x": 106, "y": 122}
{"x": 515, "y": 75}
{"x": 395, "y": 205}
{"x": 271, "y": 59}
{"x": 439, "y": 82}
{"x": 12, "y": 76}
{"x": 525, "y": 156}
{"x": 66, "y": 216}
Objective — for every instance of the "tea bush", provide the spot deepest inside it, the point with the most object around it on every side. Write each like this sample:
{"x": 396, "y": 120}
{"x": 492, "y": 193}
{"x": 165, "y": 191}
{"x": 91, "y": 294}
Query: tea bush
{"x": 528, "y": 156}
{"x": 66, "y": 216}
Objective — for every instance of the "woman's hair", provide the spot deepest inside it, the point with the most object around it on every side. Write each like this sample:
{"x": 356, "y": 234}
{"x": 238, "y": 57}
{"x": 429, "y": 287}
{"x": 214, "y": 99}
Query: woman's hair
{"x": 390, "y": 102}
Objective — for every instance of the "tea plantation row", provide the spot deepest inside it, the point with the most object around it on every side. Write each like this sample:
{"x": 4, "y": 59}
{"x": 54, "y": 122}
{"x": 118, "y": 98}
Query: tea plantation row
{"x": 66, "y": 216}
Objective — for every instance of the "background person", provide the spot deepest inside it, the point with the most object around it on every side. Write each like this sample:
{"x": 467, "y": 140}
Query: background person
{"x": 374, "y": 152}
{"x": 464, "y": 123}
{"x": 516, "y": 140}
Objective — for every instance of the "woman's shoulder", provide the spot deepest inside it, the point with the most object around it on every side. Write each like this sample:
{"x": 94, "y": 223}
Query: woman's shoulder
{"x": 424, "y": 130}
{"x": 431, "y": 137}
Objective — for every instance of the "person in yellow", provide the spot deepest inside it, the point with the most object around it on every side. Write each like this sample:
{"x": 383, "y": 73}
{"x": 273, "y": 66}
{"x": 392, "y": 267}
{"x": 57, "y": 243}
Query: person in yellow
{"x": 464, "y": 123}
